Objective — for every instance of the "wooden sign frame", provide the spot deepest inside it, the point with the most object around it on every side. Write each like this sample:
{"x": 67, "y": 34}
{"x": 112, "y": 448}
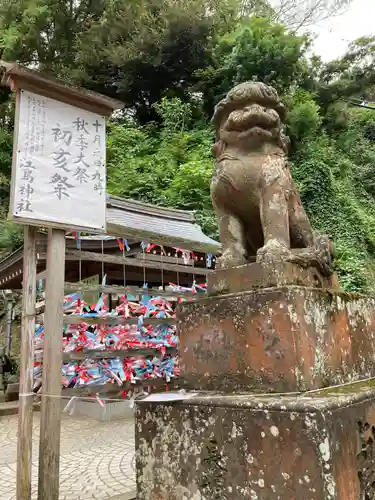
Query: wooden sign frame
{"x": 18, "y": 79}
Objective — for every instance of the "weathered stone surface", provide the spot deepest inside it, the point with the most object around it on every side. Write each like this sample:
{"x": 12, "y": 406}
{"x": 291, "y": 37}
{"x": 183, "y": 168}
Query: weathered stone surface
{"x": 317, "y": 446}
{"x": 12, "y": 391}
{"x": 280, "y": 339}
{"x": 258, "y": 207}
{"x": 258, "y": 275}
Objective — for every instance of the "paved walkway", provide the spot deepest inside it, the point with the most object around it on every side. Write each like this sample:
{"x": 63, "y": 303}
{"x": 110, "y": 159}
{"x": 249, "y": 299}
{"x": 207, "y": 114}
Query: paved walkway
{"x": 96, "y": 460}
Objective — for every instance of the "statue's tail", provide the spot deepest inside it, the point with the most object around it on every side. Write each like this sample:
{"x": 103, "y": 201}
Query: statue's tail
{"x": 320, "y": 255}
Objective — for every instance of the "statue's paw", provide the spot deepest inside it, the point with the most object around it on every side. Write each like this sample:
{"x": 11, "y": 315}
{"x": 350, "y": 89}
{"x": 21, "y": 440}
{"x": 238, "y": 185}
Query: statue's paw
{"x": 231, "y": 259}
{"x": 326, "y": 252}
{"x": 325, "y": 245}
{"x": 273, "y": 251}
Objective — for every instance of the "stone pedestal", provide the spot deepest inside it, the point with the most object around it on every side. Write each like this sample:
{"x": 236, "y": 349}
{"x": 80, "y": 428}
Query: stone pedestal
{"x": 236, "y": 438}
{"x": 277, "y": 339}
{"x": 257, "y": 276}
{"x": 318, "y": 446}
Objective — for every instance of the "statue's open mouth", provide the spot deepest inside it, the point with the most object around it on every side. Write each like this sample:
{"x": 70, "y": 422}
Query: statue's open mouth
{"x": 252, "y": 116}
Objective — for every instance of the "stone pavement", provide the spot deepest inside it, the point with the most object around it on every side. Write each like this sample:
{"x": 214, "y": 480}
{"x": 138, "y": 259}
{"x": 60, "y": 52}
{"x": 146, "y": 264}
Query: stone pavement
{"x": 96, "y": 460}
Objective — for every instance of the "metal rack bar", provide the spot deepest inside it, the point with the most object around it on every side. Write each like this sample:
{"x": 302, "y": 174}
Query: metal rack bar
{"x": 119, "y": 353}
{"x": 118, "y": 289}
{"x": 118, "y": 259}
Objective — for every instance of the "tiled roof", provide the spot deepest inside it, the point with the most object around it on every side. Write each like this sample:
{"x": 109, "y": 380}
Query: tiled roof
{"x": 165, "y": 226}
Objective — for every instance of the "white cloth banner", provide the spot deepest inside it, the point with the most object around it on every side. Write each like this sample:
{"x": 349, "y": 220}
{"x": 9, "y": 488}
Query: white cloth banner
{"x": 165, "y": 397}
{"x": 60, "y": 173}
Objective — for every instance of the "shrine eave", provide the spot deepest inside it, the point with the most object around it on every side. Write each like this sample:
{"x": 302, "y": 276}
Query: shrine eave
{"x": 164, "y": 226}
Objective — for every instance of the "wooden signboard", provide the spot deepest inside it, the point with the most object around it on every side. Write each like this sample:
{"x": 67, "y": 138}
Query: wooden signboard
{"x": 59, "y": 171}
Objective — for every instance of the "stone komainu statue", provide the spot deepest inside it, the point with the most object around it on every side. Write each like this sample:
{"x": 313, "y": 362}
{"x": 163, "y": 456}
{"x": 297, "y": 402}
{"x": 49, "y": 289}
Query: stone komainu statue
{"x": 259, "y": 210}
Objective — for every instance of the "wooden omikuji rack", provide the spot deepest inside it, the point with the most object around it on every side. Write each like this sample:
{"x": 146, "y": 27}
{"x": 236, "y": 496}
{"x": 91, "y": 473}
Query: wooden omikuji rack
{"x": 118, "y": 290}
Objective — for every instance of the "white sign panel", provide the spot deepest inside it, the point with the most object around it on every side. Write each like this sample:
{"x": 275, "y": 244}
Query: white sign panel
{"x": 60, "y": 174}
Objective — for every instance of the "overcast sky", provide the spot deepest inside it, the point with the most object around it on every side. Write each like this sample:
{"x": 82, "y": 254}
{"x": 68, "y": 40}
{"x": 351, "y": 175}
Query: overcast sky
{"x": 335, "y": 34}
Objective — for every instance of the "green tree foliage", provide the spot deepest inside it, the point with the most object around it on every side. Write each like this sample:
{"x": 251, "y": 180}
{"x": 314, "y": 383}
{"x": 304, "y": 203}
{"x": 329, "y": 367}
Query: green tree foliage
{"x": 256, "y": 49}
{"x": 10, "y": 234}
{"x": 350, "y": 76}
{"x": 332, "y": 162}
{"x": 135, "y": 50}
{"x": 6, "y": 141}
{"x": 151, "y": 49}
{"x": 44, "y": 33}
{"x": 337, "y": 205}
{"x": 304, "y": 119}
{"x": 170, "y": 165}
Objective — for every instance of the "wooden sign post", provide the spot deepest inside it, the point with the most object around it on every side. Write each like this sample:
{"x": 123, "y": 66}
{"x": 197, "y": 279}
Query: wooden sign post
{"x": 59, "y": 182}
{"x": 26, "y": 399}
{"x": 49, "y": 448}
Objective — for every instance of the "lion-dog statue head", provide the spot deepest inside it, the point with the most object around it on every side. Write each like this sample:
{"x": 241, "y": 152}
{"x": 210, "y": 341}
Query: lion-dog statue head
{"x": 250, "y": 115}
